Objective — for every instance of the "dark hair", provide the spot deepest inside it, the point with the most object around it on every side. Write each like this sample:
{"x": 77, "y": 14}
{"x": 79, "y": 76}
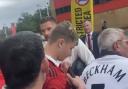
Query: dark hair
{"x": 20, "y": 59}
{"x": 48, "y": 18}
{"x": 63, "y": 30}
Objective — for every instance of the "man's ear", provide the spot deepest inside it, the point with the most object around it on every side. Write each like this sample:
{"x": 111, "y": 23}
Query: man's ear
{"x": 116, "y": 46}
{"x": 44, "y": 65}
{"x": 60, "y": 42}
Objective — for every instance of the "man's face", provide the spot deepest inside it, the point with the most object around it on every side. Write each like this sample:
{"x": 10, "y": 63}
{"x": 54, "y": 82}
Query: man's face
{"x": 46, "y": 28}
{"x": 87, "y": 26}
{"x": 123, "y": 46}
{"x": 66, "y": 49}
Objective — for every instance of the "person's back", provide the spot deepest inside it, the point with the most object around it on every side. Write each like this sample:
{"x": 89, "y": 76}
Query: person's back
{"x": 108, "y": 72}
{"x": 22, "y": 61}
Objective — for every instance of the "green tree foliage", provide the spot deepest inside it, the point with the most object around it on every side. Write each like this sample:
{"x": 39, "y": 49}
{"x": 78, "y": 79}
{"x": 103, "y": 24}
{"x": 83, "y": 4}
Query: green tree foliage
{"x": 29, "y": 22}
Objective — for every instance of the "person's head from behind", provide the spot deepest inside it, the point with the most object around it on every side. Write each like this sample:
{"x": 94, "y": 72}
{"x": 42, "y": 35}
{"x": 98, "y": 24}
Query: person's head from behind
{"x": 22, "y": 60}
{"x": 87, "y": 26}
{"x": 115, "y": 40}
{"x": 47, "y": 25}
{"x": 64, "y": 37}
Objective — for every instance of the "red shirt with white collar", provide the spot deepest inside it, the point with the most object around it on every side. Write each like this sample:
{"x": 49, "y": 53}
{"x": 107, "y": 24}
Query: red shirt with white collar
{"x": 56, "y": 78}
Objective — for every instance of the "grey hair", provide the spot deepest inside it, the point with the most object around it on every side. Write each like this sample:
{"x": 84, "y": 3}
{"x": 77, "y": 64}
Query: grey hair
{"x": 108, "y": 37}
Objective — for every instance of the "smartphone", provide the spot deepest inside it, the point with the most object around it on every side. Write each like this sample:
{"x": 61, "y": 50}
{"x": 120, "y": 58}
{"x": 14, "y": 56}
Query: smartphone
{"x": 71, "y": 72}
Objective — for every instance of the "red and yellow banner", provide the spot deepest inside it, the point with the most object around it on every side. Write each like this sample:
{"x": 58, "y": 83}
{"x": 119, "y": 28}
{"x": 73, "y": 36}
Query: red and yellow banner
{"x": 81, "y": 10}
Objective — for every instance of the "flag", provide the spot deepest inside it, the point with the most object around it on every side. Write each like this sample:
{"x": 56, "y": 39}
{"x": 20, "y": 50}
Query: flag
{"x": 81, "y": 10}
{"x": 13, "y": 29}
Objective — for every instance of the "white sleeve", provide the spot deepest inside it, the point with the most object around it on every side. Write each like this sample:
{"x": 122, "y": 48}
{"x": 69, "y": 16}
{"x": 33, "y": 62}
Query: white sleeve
{"x": 82, "y": 51}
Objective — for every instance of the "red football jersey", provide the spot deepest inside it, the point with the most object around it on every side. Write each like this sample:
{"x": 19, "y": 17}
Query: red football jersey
{"x": 2, "y": 82}
{"x": 56, "y": 78}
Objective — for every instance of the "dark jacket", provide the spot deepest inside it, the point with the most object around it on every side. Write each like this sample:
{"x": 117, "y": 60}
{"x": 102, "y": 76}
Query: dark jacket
{"x": 95, "y": 50}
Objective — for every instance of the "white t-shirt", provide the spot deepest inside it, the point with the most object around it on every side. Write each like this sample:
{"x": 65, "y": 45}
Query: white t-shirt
{"x": 82, "y": 51}
{"x": 108, "y": 72}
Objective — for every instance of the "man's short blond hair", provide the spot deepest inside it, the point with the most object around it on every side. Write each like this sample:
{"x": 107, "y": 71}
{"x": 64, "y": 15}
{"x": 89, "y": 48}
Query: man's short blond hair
{"x": 64, "y": 30}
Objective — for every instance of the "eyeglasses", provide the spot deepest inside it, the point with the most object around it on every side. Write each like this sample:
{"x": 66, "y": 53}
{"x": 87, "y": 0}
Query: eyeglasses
{"x": 125, "y": 40}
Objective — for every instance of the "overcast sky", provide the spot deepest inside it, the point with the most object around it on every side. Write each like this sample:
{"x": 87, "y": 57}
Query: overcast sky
{"x": 11, "y": 10}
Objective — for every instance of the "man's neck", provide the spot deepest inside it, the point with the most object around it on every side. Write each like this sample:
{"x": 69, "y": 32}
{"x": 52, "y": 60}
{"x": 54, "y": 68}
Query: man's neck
{"x": 51, "y": 51}
{"x": 89, "y": 33}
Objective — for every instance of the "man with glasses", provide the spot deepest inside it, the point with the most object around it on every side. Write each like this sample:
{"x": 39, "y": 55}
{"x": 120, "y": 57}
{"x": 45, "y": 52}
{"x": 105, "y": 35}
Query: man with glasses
{"x": 110, "y": 71}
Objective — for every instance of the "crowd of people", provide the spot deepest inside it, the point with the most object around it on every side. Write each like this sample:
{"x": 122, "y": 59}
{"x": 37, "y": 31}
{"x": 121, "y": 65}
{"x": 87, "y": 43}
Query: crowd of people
{"x": 63, "y": 60}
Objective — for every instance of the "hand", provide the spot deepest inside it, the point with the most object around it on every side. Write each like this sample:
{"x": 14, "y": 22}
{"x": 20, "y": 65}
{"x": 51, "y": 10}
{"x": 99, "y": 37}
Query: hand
{"x": 77, "y": 82}
{"x": 65, "y": 66}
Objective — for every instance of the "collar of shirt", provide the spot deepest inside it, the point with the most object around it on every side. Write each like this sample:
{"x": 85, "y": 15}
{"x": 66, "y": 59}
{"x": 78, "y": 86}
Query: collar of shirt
{"x": 56, "y": 62}
{"x": 111, "y": 57}
{"x": 89, "y": 33}
{"x": 44, "y": 43}
{"x": 4, "y": 87}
